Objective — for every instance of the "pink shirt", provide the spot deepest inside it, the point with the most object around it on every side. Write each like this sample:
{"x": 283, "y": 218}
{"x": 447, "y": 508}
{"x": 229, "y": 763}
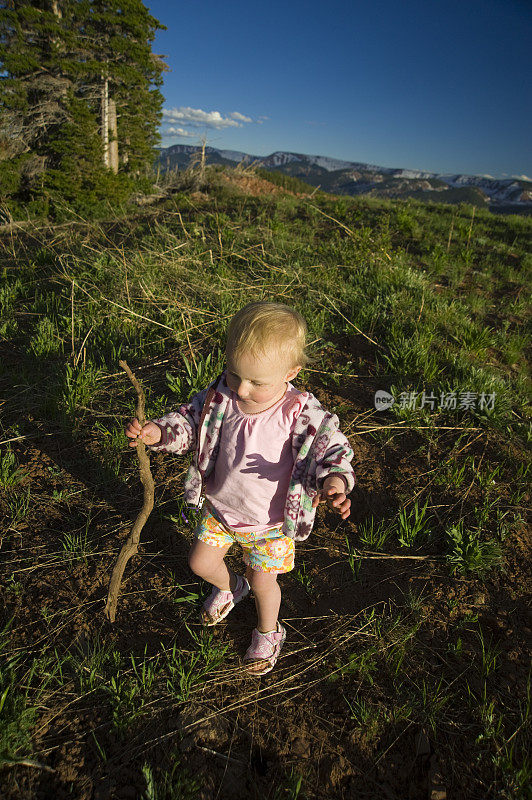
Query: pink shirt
{"x": 249, "y": 483}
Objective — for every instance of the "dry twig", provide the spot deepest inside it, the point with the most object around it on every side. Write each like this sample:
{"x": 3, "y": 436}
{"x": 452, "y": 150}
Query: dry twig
{"x": 131, "y": 546}
{"x": 28, "y": 762}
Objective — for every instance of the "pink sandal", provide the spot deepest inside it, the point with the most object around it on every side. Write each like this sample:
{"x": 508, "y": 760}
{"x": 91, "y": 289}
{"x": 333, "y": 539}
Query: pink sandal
{"x": 264, "y": 647}
{"x": 218, "y": 604}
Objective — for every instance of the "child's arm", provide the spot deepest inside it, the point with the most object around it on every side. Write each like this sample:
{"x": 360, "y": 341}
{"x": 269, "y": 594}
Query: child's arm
{"x": 334, "y": 475}
{"x": 174, "y": 432}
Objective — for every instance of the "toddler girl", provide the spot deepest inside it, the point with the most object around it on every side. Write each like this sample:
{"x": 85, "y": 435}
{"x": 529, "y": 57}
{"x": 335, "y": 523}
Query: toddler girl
{"x": 266, "y": 455}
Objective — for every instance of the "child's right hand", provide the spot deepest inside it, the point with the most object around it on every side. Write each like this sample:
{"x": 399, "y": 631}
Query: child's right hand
{"x": 149, "y": 434}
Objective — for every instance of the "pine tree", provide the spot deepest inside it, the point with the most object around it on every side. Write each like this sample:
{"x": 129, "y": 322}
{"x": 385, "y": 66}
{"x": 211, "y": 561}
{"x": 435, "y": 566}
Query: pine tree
{"x": 121, "y": 32}
{"x": 61, "y": 59}
{"x": 32, "y": 89}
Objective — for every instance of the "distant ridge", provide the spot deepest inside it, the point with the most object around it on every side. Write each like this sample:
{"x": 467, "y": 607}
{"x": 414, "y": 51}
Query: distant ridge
{"x": 354, "y": 178}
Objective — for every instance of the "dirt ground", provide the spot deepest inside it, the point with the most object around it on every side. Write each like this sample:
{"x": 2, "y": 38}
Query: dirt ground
{"x": 240, "y": 737}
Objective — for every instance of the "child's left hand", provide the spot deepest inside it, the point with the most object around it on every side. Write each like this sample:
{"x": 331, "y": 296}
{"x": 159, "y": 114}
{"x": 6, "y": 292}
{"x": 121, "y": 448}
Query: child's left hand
{"x": 333, "y": 491}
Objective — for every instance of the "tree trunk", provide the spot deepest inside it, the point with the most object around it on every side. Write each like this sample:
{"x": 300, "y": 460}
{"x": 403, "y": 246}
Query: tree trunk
{"x": 113, "y": 139}
{"x": 105, "y": 120}
{"x": 125, "y": 150}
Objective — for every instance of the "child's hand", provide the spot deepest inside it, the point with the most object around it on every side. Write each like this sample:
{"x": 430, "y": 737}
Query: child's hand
{"x": 149, "y": 434}
{"x": 333, "y": 491}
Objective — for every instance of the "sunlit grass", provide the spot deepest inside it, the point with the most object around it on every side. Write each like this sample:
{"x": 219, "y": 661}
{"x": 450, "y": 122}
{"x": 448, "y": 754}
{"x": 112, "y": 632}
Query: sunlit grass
{"x": 391, "y": 302}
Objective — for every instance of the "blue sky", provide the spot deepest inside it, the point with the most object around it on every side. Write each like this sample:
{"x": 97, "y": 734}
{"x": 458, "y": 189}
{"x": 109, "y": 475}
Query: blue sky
{"x": 439, "y": 85}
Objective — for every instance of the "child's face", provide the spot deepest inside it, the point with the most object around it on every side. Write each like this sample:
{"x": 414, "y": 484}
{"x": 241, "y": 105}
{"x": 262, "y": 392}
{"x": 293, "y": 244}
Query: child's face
{"x": 258, "y": 380}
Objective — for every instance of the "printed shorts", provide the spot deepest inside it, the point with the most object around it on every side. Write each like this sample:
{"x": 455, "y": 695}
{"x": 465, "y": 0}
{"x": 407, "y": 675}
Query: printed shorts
{"x": 270, "y": 551}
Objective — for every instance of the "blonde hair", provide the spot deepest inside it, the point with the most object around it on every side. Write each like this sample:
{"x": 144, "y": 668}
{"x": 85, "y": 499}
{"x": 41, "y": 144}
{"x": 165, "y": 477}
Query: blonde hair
{"x": 261, "y": 325}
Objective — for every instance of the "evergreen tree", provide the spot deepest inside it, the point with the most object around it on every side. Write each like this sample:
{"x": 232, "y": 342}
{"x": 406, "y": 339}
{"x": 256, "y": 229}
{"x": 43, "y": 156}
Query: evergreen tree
{"x": 66, "y": 65}
{"x": 33, "y": 89}
{"x": 121, "y": 32}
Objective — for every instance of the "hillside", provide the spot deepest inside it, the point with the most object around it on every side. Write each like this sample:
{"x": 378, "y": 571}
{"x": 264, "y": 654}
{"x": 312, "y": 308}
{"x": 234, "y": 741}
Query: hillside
{"x": 405, "y": 673}
{"x": 351, "y": 178}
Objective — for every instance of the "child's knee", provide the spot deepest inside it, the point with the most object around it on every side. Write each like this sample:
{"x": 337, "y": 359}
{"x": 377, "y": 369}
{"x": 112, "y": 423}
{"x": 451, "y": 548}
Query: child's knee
{"x": 196, "y": 561}
{"x": 203, "y": 559}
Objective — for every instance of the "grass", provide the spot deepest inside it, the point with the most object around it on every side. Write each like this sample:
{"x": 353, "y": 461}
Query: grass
{"x": 303, "y": 576}
{"x": 398, "y": 633}
{"x": 16, "y": 713}
{"x": 374, "y": 534}
{"x": 412, "y": 528}
{"x": 469, "y": 554}
{"x": 353, "y": 559}
{"x": 178, "y": 783}
{"x": 186, "y": 671}
{"x": 197, "y": 374}
{"x": 10, "y": 473}
{"x": 18, "y": 505}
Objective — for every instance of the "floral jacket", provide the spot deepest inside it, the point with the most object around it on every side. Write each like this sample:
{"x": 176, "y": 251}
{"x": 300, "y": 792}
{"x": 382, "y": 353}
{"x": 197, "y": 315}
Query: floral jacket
{"x": 318, "y": 447}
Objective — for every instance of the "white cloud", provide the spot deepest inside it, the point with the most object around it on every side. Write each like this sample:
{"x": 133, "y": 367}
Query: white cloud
{"x": 197, "y": 118}
{"x": 178, "y": 132}
{"x": 515, "y": 177}
{"x": 240, "y": 117}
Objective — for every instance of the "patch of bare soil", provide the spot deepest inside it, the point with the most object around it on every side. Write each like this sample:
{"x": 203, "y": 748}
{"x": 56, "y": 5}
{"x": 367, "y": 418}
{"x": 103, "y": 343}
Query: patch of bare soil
{"x": 253, "y": 185}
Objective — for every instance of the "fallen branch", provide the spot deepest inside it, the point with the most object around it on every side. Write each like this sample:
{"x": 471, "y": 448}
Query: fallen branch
{"x": 26, "y": 762}
{"x": 131, "y": 546}
{"x": 368, "y": 555}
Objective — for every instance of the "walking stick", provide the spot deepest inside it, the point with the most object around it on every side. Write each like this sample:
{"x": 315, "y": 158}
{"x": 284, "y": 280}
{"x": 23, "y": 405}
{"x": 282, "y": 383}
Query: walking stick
{"x": 131, "y": 546}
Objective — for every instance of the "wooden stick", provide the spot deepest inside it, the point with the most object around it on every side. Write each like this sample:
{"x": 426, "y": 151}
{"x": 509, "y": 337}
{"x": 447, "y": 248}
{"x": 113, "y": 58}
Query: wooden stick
{"x": 72, "y": 318}
{"x": 353, "y": 324}
{"x": 422, "y": 304}
{"x": 450, "y": 234}
{"x": 131, "y": 546}
{"x": 82, "y": 346}
{"x": 28, "y": 762}
{"x": 470, "y": 227}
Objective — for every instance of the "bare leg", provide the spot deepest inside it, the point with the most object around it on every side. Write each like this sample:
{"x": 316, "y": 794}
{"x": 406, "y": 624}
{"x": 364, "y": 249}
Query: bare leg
{"x": 208, "y": 562}
{"x": 267, "y": 593}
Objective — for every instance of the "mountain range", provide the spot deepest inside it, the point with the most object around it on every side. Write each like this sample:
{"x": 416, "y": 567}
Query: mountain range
{"x": 355, "y": 178}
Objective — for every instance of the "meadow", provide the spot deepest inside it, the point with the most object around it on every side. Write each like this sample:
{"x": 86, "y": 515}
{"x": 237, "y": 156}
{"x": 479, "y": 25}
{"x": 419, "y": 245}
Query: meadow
{"x": 406, "y": 669}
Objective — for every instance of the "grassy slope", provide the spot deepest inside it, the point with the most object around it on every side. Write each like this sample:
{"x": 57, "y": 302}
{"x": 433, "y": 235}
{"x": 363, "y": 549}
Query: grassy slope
{"x": 391, "y": 655}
